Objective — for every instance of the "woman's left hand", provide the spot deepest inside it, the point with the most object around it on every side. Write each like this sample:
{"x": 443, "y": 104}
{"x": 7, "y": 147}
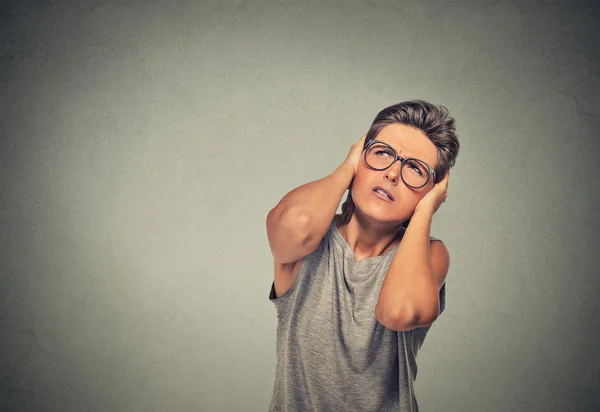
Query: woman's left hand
{"x": 435, "y": 197}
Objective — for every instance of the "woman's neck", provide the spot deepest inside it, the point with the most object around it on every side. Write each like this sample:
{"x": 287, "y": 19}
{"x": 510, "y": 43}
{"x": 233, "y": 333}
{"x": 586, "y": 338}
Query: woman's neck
{"x": 365, "y": 240}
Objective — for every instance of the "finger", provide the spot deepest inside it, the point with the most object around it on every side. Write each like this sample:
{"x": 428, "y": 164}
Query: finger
{"x": 446, "y": 178}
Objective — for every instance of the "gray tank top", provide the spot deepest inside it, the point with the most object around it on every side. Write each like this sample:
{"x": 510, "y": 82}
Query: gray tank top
{"x": 332, "y": 353}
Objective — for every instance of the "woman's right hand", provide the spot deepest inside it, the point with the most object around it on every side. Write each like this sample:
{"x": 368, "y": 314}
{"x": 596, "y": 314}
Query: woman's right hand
{"x": 354, "y": 154}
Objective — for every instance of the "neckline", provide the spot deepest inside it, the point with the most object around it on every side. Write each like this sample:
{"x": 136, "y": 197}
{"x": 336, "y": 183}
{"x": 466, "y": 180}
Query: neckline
{"x": 337, "y": 234}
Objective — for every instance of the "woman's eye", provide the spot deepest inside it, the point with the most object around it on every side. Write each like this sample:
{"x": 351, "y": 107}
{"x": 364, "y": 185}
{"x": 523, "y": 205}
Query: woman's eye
{"x": 382, "y": 153}
{"x": 415, "y": 168}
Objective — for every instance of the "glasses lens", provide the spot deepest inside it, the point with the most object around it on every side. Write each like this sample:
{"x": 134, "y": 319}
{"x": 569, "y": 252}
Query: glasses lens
{"x": 380, "y": 156}
{"x": 415, "y": 172}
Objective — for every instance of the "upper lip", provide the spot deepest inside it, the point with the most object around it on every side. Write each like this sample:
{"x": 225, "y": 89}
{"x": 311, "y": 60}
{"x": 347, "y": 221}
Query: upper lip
{"x": 385, "y": 190}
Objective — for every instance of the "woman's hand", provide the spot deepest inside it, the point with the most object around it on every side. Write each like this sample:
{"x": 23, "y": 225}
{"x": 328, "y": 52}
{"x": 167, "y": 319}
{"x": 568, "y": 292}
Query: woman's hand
{"x": 353, "y": 158}
{"x": 431, "y": 202}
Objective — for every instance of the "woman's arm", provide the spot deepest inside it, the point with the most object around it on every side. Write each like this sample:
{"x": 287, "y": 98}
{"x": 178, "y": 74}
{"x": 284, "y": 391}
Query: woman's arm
{"x": 409, "y": 296}
{"x": 300, "y": 220}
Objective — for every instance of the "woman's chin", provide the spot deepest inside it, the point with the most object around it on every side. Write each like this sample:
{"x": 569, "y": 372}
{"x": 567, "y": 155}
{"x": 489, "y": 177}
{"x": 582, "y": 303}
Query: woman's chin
{"x": 377, "y": 215}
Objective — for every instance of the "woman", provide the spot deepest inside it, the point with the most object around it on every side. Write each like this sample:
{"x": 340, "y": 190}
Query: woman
{"x": 356, "y": 293}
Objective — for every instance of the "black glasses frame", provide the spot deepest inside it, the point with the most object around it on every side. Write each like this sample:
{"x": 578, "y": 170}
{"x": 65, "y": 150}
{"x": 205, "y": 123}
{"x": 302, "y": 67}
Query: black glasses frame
{"x": 402, "y": 161}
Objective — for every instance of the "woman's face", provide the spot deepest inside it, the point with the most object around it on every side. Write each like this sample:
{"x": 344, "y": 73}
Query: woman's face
{"x": 408, "y": 142}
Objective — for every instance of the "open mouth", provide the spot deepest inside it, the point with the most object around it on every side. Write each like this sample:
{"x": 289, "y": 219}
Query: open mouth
{"x": 383, "y": 193}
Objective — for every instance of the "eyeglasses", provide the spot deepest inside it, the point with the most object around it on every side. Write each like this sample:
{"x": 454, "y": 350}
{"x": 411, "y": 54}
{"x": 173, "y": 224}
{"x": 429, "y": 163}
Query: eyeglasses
{"x": 414, "y": 172}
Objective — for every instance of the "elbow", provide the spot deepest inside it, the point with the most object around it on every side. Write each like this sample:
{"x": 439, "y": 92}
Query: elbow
{"x": 287, "y": 235}
{"x": 406, "y": 318}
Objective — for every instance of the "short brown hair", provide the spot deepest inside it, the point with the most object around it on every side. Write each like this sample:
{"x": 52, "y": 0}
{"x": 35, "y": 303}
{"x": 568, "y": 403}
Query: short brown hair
{"x": 434, "y": 121}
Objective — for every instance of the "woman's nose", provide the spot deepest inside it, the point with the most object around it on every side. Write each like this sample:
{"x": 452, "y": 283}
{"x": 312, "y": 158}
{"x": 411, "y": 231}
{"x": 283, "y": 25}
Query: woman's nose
{"x": 393, "y": 172}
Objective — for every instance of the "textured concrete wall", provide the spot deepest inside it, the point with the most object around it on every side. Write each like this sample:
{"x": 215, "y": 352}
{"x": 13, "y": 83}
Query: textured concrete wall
{"x": 142, "y": 144}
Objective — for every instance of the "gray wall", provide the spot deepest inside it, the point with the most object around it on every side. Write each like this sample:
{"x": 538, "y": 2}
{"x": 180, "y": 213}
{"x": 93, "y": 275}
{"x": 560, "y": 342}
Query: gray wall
{"x": 142, "y": 144}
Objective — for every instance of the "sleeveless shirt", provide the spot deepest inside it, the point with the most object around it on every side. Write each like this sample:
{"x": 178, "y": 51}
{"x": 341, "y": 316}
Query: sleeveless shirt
{"x": 332, "y": 353}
